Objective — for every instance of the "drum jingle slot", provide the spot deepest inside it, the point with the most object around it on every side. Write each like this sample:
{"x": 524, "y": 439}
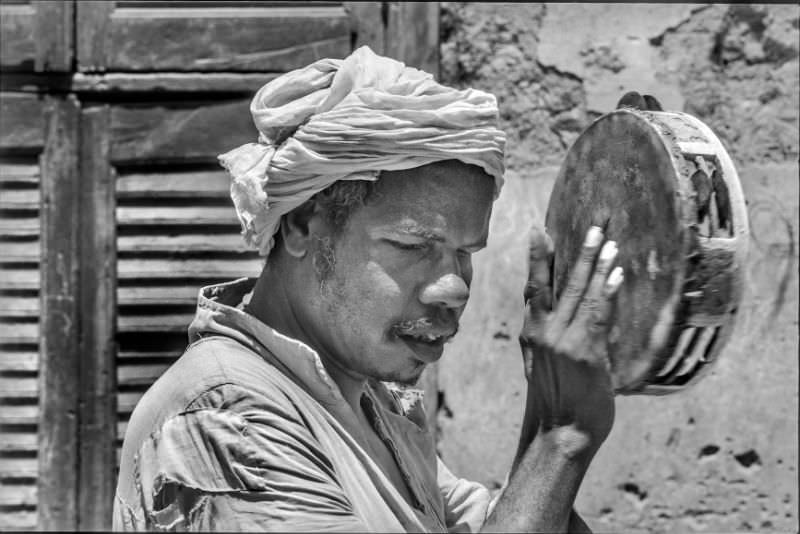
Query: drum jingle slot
{"x": 712, "y": 202}
{"x": 691, "y": 354}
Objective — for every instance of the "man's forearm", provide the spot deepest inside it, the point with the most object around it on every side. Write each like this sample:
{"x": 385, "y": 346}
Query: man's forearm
{"x": 542, "y": 488}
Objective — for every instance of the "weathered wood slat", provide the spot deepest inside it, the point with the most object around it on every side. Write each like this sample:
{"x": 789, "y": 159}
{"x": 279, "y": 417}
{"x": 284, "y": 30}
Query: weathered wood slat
{"x": 19, "y": 199}
{"x": 19, "y": 388}
{"x": 20, "y": 306}
{"x": 20, "y": 226}
{"x": 140, "y": 375}
{"x": 20, "y": 519}
{"x": 200, "y": 184}
{"x": 54, "y": 36}
{"x": 19, "y": 333}
{"x": 130, "y": 357}
{"x": 17, "y": 495}
{"x": 224, "y": 39}
{"x": 366, "y": 19}
{"x": 136, "y": 268}
{"x": 122, "y": 427}
{"x": 17, "y": 43}
{"x": 93, "y": 39}
{"x": 19, "y": 251}
{"x": 171, "y": 4}
{"x": 98, "y": 308}
{"x": 127, "y": 400}
{"x": 412, "y": 34}
{"x": 18, "y": 441}
{"x": 16, "y": 172}
{"x": 21, "y": 121}
{"x": 59, "y": 350}
{"x": 166, "y": 295}
{"x": 232, "y": 243}
{"x": 19, "y": 361}
{"x": 19, "y": 415}
{"x": 18, "y": 467}
{"x": 19, "y": 279}
{"x": 169, "y": 134}
{"x": 189, "y": 82}
{"x": 154, "y": 323}
{"x": 202, "y": 215}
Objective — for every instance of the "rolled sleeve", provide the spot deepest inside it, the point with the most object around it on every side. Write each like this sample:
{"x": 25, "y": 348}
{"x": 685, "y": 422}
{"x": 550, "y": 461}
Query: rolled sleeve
{"x": 466, "y": 504}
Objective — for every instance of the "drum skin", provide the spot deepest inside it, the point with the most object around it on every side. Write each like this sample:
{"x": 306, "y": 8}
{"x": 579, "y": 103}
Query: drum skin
{"x": 661, "y": 185}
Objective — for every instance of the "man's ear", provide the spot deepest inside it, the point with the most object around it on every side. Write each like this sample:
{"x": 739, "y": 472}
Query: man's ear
{"x": 295, "y": 228}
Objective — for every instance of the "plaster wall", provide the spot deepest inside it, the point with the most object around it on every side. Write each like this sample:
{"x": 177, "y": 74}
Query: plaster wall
{"x": 722, "y": 456}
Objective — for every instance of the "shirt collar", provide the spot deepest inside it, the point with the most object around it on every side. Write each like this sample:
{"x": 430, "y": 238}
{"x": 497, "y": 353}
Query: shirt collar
{"x": 221, "y": 310}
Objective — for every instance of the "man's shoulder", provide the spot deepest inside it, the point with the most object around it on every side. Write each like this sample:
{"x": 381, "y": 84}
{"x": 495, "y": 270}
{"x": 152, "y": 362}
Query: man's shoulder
{"x": 212, "y": 363}
{"x": 215, "y": 372}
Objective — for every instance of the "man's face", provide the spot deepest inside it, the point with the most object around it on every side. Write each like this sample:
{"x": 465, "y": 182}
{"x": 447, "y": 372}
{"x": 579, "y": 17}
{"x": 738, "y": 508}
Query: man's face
{"x": 401, "y": 272}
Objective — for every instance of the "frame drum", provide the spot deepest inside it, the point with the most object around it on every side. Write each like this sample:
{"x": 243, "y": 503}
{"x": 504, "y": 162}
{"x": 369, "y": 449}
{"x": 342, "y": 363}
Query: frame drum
{"x": 663, "y": 187}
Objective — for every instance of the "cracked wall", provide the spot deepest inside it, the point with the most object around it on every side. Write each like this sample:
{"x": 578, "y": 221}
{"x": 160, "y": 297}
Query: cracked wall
{"x": 722, "y": 456}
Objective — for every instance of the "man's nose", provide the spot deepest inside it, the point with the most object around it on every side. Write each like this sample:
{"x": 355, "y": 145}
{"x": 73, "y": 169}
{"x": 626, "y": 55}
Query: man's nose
{"x": 449, "y": 291}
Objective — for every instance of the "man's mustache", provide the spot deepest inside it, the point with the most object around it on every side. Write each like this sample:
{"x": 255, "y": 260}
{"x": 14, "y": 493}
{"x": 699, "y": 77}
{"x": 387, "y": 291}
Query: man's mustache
{"x": 425, "y": 325}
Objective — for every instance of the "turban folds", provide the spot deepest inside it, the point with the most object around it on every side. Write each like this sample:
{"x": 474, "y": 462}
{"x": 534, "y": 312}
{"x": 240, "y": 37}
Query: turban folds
{"x": 348, "y": 120}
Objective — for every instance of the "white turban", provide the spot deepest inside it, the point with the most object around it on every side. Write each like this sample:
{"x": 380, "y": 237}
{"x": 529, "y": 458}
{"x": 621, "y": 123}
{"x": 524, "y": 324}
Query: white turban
{"x": 348, "y": 120}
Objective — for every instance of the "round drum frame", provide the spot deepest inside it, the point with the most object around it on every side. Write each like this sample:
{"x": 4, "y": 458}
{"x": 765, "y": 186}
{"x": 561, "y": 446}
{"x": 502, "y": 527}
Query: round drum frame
{"x": 662, "y": 185}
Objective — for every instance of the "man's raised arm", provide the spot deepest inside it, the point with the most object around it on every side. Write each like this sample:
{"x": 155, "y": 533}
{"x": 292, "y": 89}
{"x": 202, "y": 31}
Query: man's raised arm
{"x": 570, "y": 403}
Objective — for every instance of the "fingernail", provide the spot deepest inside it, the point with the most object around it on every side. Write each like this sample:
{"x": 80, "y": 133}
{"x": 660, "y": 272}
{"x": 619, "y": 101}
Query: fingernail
{"x": 594, "y": 236}
{"x": 616, "y": 277}
{"x": 609, "y": 251}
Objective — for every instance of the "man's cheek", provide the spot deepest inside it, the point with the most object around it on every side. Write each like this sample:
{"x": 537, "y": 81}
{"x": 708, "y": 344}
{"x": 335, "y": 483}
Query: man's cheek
{"x": 379, "y": 284}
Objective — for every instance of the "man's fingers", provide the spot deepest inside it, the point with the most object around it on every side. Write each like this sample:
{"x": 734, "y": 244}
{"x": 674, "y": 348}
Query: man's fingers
{"x": 538, "y": 288}
{"x": 594, "y": 296}
{"x": 602, "y": 313}
{"x": 571, "y": 297}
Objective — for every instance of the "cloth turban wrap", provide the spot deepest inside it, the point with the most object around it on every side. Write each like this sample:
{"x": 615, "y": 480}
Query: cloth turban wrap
{"x": 348, "y": 120}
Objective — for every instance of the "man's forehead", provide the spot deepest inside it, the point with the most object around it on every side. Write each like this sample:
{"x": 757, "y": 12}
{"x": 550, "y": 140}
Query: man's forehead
{"x": 438, "y": 210}
{"x": 444, "y": 181}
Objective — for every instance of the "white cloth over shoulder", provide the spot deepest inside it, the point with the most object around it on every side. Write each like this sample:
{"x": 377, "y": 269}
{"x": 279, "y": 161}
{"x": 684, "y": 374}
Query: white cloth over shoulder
{"x": 348, "y": 120}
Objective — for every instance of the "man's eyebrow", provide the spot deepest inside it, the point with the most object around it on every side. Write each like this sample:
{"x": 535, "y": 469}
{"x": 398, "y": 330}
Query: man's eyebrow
{"x": 421, "y": 232}
{"x": 414, "y": 230}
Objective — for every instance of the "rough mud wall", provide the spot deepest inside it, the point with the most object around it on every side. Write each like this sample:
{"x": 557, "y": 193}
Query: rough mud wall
{"x": 723, "y": 456}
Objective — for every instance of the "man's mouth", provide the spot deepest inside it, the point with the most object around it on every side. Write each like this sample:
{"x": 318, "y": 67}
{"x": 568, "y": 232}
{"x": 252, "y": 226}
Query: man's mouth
{"x": 427, "y": 346}
{"x": 429, "y": 337}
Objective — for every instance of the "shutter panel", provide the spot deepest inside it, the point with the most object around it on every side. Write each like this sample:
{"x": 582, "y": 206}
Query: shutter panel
{"x": 19, "y": 340}
{"x": 155, "y": 202}
{"x": 21, "y": 141}
{"x": 141, "y": 36}
{"x": 37, "y": 316}
{"x": 176, "y": 230}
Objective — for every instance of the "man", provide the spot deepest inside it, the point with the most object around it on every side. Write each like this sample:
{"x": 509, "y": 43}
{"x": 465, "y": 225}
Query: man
{"x": 369, "y": 190}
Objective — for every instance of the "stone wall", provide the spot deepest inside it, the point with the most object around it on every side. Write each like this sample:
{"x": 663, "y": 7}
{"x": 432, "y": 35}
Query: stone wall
{"x": 722, "y": 456}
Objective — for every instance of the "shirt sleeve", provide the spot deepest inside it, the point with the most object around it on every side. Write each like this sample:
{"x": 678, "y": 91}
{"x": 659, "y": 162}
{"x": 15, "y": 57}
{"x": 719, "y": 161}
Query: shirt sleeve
{"x": 240, "y": 465}
{"x": 466, "y": 504}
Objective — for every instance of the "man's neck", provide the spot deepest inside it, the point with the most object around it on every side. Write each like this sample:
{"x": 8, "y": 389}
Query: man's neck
{"x": 271, "y": 304}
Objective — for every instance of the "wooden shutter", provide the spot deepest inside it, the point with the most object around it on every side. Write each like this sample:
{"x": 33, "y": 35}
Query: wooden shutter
{"x": 21, "y": 141}
{"x": 181, "y": 36}
{"x": 176, "y": 229}
{"x": 38, "y": 289}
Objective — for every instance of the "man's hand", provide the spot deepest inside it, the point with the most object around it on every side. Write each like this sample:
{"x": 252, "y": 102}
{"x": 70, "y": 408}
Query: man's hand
{"x": 570, "y": 407}
{"x": 564, "y": 350}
